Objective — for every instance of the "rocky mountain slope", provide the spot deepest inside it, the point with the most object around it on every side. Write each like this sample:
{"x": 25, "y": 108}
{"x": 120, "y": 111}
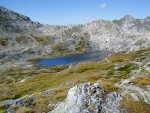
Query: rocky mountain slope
{"x": 21, "y": 38}
{"x": 15, "y": 36}
{"x": 108, "y": 35}
{"x": 118, "y": 84}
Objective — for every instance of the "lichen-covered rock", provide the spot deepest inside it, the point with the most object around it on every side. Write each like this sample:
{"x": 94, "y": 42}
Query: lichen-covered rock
{"x": 87, "y": 98}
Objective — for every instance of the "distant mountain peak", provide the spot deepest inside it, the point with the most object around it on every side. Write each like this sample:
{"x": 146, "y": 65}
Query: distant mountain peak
{"x": 128, "y": 18}
{"x": 147, "y": 18}
{"x": 127, "y": 21}
{"x": 12, "y": 14}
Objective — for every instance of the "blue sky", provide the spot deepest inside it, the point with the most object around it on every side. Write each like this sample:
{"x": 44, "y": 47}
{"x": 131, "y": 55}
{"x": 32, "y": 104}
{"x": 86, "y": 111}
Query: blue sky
{"x": 65, "y": 12}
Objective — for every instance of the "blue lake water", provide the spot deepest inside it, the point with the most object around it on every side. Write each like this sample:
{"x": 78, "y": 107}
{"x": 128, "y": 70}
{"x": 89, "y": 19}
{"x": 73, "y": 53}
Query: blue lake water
{"x": 75, "y": 58}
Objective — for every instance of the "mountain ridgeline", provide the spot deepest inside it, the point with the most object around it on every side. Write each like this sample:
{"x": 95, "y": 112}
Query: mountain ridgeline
{"x": 115, "y": 80}
{"x": 22, "y": 39}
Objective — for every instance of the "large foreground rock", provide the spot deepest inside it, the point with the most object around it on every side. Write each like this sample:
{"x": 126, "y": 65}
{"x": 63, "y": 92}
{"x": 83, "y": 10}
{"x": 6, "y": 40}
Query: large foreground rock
{"x": 86, "y": 98}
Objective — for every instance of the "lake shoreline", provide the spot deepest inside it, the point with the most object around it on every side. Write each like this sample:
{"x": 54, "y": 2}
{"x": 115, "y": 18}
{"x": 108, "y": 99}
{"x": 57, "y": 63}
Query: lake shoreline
{"x": 74, "y": 58}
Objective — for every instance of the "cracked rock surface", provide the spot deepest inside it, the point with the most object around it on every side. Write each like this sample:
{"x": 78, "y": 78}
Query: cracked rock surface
{"x": 86, "y": 98}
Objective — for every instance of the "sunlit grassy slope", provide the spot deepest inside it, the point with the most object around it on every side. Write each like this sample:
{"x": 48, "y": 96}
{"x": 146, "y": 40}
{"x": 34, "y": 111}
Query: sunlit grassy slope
{"x": 109, "y": 71}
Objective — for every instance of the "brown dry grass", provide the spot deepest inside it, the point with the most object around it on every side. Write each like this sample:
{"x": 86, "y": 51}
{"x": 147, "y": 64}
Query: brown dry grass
{"x": 24, "y": 110}
{"x": 109, "y": 84}
{"x": 142, "y": 81}
{"x": 58, "y": 95}
{"x": 120, "y": 57}
{"x": 132, "y": 106}
{"x": 82, "y": 72}
{"x": 40, "y": 104}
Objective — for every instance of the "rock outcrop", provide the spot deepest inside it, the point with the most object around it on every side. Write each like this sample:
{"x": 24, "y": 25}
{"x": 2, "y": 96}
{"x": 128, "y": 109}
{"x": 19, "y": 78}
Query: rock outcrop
{"x": 86, "y": 98}
{"x": 137, "y": 93}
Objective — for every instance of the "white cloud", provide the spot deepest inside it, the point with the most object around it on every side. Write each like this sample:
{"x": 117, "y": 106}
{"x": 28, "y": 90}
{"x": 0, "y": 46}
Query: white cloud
{"x": 104, "y": 5}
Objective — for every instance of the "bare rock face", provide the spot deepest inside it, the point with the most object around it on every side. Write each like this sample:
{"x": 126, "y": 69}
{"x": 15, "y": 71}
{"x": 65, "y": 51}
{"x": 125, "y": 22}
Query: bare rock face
{"x": 13, "y": 22}
{"x": 86, "y": 98}
{"x": 16, "y": 43}
{"x": 127, "y": 21}
{"x": 126, "y": 34}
